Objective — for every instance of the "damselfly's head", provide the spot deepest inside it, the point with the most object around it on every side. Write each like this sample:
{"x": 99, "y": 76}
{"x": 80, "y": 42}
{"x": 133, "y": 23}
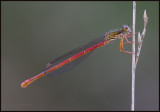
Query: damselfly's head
{"x": 126, "y": 28}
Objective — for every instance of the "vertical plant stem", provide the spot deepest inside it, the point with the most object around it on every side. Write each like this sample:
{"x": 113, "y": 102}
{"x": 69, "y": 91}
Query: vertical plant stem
{"x": 133, "y": 59}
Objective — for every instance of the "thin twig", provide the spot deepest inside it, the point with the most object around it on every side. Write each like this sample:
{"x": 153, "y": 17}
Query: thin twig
{"x": 141, "y": 37}
{"x": 133, "y": 58}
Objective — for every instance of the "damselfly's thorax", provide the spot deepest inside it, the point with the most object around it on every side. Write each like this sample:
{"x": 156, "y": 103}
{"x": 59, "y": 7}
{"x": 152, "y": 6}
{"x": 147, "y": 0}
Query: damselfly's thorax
{"x": 118, "y": 34}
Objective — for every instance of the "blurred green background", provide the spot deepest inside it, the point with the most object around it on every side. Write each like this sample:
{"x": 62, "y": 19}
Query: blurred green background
{"x": 33, "y": 33}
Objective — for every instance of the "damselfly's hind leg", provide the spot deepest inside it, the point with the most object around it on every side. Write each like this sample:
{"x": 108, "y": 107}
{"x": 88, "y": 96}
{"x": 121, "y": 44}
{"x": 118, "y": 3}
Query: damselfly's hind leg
{"x": 121, "y": 48}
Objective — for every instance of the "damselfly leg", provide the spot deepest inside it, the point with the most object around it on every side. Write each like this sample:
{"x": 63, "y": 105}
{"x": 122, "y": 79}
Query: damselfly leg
{"x": 121, "y": 47}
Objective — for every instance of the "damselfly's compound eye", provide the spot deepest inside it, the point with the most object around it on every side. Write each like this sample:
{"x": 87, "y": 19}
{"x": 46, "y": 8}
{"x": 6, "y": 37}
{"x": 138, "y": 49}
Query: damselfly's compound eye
{"x": 125, "y": 27}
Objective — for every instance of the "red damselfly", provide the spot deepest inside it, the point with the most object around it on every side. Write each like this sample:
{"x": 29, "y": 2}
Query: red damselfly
{"x": 72, "y": 58}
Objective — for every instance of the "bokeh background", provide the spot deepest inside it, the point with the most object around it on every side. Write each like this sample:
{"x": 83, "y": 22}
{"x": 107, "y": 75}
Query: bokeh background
{"x": 33, "y": 33}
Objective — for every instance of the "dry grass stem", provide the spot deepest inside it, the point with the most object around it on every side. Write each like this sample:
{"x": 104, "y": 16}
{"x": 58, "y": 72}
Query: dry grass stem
{"x": 141, "y": 36}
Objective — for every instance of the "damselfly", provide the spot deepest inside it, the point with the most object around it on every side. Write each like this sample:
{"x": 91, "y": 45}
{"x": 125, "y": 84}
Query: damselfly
{"x": 74, "y": 57}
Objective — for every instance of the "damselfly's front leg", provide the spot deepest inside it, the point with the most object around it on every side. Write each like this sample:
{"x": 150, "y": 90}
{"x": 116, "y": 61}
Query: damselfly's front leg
{"x": 129, "y": 42}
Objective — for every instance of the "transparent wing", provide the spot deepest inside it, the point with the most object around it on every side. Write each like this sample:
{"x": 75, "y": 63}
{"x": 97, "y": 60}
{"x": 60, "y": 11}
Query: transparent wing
{"x": 73, "y": 52}
{"x": 69, "y": 65}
